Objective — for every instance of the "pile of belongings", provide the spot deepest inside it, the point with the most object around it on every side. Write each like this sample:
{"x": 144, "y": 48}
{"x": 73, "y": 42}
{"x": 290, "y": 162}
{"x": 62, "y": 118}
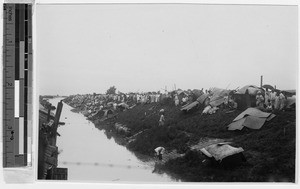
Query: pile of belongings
{"x": 224, "y": 153}
{"x": 120, "y": 128}
{"x": 209, "y": 110}
{"x": 252, "y": 118}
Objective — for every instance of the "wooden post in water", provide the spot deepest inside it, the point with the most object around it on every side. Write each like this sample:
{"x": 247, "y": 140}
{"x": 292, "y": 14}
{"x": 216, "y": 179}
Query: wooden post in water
{"x": 56, "y": 122}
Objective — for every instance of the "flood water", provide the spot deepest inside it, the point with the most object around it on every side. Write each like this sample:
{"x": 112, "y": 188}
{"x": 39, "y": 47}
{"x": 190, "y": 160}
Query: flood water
{"x": 90, "y": 156}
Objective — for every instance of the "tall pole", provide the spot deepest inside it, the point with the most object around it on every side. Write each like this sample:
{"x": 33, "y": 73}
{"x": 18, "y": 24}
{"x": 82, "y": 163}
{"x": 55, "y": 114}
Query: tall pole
{"x": 56, "y": 122}
{"x": 261, "y": 81}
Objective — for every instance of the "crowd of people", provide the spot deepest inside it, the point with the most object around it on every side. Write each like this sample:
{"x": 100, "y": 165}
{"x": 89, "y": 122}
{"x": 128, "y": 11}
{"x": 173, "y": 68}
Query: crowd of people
{"x": 212, "y": 99}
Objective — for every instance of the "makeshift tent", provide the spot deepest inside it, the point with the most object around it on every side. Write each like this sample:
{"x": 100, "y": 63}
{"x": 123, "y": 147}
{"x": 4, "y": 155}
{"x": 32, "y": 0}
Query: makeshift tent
{"x": 197, "y": 92}
{"x": 245, "y": 97}
{"x": 223, "y": 154}
{"x": 202, "y": 98}
{"x": 291, "y": 102}
{"x": 249, "y": 89}
{"x": 252, "y": 118}
{"x": 190, "y": 106}
{"x": 270, "y": 87}
{"x": 289, "y": 93}
{"x": 108, "y": 112}
{"x": 217, "y": 97}
{"x": 123, "y": 105}
{"x": 220, "y": 151}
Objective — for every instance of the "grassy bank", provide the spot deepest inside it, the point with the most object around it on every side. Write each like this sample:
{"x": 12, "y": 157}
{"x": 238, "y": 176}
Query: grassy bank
{"x": 270, "y": 151}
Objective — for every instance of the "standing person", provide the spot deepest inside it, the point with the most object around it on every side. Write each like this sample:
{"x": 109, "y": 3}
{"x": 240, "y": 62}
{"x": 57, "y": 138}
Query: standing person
{"x": 281, "y": 101}
{"x": 162, "y": 118}
{"x": 115, "y": 106}
{"x": 272, "y": 98}
{"x": 267, "y": 98}
{"x": 159, "y": 151}
{"x": 276, "y": 104}
{"x": 259, "y": 100}
{"x": 176, "y": 100}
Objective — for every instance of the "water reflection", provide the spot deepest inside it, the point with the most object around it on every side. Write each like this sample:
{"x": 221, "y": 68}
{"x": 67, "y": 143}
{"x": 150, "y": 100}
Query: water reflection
{"x": 91, "y": 155}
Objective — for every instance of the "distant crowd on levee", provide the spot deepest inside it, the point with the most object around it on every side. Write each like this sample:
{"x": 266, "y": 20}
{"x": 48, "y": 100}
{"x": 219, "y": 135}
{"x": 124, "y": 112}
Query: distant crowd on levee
{"x": 266, "y": 99}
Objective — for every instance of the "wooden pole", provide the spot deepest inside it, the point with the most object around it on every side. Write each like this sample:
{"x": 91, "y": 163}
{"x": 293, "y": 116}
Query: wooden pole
{"x": 56, "y": 122}
{"x": 261, "y": 81}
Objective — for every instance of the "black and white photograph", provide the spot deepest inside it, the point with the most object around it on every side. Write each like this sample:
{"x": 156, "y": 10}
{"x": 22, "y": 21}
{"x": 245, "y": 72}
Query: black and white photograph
{"x": 167, "y": 93}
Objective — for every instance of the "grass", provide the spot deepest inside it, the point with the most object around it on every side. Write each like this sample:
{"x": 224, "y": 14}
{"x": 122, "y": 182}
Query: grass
{"x": 270, "y": 151}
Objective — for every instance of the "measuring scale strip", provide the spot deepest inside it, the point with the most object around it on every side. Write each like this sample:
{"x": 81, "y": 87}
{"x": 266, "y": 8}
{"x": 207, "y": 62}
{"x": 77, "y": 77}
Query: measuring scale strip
{"x": 17, "y": 59}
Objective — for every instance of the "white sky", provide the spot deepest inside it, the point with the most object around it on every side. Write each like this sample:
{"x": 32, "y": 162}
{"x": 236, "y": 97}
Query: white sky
{"x": 88, "y": 48}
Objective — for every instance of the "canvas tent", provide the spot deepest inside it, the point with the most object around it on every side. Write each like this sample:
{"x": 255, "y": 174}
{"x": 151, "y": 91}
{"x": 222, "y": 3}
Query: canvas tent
{"x": 217, "y": 97}
{"x": 252, "y": 118}
{"x": 268, "y": 87}
{"x": 291, "y": 101}
{"x": 202, "y": 98}
{"x": 123, "y": 105}
{"x": 245, "y": 97}
{"x": 197, "y": 92}
{"x": 223, "y": 154}
{"x": 220, "y": 151}
{"x": 190, "y": 106}
{"x": 248, "y": 89}
{"x": 108, "y": 112}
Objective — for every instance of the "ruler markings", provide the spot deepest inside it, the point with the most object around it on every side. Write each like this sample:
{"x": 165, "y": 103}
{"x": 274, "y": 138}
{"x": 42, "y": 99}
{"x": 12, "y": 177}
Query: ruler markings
{"x": 21, "y": 98}
{"x": 21, "y": 59}
{"x": 17, "y": 58}
{"x": 21, "y": 135}
{"x": 15, "y": 135}
{"x": 17, "y": 98}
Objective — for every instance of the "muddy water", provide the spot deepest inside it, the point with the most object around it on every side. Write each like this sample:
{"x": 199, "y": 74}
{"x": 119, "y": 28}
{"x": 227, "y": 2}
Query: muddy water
{"x": 90, "y": 156}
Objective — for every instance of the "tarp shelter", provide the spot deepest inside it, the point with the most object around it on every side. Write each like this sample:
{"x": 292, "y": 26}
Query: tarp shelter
{"x": 220, "y": 151}
{"x": 108, "y": 112}
{"x": 217, "y": 97}
{"x": 123, "y": 105}
{"x": 289, "y": 93}
{"x": 202, "y": 98}
{"x": 291, "y": 101}
{"x": 270, "y": 87}
{"x": 245, "y": 97}
{"x": 248, "y": 89}
{"x": 252, "y": 118}
{"x": 190, "y": 106}
{"x": 197, "y": 92}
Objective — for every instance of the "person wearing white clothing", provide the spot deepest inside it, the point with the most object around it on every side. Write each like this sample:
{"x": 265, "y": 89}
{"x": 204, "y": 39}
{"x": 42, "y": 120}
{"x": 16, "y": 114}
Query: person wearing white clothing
{"x": 159, "y": 151}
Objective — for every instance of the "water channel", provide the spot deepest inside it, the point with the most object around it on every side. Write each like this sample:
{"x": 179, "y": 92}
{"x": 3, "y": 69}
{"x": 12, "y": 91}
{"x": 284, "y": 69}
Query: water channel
{"x": 91, "y": 156}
